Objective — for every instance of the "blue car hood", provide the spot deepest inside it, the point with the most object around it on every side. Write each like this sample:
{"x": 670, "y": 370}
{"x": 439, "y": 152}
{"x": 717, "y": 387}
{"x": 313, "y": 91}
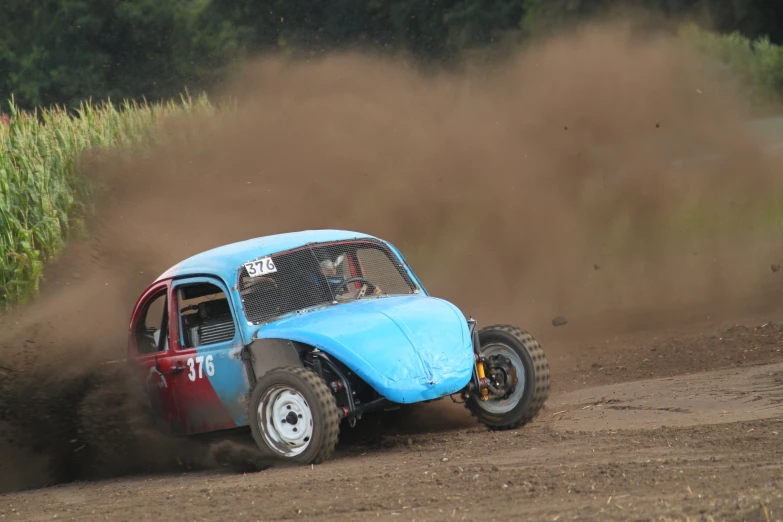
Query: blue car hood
{"x": 408, "y": 348}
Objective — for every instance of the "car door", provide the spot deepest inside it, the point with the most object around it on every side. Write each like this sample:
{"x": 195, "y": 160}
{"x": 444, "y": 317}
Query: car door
{"x": 213, "y": 387}
{"x": 150, "y": 352}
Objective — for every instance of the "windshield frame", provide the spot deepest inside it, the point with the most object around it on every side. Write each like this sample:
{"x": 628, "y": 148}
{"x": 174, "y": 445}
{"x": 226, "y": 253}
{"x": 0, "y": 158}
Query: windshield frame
{"x": 317, "y": 250}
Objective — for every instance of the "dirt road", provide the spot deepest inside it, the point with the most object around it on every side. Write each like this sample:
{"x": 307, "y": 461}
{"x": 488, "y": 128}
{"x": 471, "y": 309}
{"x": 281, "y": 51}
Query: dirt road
{"x": 680, "y": 444}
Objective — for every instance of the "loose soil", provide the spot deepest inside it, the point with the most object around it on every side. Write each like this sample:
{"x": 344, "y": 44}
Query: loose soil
{"x": 681, "y": 444}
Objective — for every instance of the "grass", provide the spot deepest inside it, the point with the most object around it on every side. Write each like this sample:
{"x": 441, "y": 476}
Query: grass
{"x": 43, "y": 200}
{"x": 756, "y": 66}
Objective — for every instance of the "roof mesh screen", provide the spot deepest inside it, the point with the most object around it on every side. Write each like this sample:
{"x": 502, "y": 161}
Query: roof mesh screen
{"x": 320, "y": 274}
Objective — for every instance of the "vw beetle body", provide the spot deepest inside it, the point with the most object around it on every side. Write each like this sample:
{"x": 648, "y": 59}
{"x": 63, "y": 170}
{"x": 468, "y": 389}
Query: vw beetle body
{"x": 214, "y": 329}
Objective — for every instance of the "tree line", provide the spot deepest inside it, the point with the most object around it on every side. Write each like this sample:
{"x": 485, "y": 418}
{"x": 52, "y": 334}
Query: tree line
{"x": 67, "y": 51}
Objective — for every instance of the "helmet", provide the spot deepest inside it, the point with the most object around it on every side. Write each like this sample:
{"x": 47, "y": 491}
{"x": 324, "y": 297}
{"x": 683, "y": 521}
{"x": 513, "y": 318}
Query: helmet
{"x": 335, "y": 276}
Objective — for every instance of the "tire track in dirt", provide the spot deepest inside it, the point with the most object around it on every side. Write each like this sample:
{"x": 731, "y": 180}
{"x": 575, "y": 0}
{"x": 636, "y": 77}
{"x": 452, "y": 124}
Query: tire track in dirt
{"x": 734, "y": 395}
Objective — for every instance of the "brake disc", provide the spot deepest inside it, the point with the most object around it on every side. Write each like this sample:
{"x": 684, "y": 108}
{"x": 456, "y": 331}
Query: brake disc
{"x": 502, "y": 373}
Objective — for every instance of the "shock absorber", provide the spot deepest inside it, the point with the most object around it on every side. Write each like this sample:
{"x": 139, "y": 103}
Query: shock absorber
{"x": 480, "y": 374}
{"x": 482, "y": 378}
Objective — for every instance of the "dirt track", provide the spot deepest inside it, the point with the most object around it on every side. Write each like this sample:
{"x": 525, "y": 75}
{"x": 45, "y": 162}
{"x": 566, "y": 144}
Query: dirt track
{"x": 682, "y": 443}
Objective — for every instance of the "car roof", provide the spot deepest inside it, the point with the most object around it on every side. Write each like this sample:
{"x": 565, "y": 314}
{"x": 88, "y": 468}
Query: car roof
{"x": 225, "y": 260}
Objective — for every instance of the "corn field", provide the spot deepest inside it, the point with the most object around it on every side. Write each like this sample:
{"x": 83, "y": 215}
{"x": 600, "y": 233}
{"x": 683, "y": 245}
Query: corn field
{"x": 44, "y": 202}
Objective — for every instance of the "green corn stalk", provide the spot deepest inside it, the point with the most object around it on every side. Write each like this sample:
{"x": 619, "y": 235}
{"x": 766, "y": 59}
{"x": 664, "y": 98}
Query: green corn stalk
{"x": 44, "y": 202}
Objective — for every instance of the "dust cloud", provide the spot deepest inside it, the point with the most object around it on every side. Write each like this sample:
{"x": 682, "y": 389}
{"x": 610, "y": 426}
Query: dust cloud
{"x": 542, "y": 186}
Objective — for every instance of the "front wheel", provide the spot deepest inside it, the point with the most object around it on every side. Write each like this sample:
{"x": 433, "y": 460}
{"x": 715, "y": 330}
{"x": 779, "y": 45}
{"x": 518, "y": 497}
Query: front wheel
{"x": 293, "y": 415}
{"x": 518, "y": 370}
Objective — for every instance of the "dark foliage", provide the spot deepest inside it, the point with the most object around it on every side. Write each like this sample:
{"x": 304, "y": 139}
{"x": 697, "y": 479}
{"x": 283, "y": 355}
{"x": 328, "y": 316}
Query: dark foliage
{"x": 66, "y": 51}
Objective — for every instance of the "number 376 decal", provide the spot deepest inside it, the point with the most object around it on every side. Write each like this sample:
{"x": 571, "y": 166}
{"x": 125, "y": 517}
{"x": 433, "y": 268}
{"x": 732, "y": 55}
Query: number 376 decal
{"x": 262, "y": 266}
{"x": 203, "y": 363}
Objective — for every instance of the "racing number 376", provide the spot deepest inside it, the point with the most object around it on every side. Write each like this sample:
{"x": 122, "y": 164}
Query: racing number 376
{"x": 203, "y": 363}
{"x": 260, "y": 267}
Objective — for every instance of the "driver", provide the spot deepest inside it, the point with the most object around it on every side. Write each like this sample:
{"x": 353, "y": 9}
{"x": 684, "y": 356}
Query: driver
{"x": 335, "y": 279}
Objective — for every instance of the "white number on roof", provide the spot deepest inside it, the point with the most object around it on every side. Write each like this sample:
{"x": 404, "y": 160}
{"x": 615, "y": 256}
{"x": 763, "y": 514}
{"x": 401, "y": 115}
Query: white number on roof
{"x": 262, "y": 266}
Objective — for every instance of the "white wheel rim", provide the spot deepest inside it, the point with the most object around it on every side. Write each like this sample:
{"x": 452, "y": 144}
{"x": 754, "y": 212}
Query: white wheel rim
{"x": 285, "y": 420}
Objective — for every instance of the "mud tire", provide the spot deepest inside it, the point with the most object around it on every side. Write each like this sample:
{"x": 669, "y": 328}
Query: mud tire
{"x": 536, "y": 371}
{"x": 322, "y": 408}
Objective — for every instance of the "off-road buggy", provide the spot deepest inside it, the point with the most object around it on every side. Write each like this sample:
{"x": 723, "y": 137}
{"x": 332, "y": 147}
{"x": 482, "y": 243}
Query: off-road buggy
{"x": 295, "y": 334}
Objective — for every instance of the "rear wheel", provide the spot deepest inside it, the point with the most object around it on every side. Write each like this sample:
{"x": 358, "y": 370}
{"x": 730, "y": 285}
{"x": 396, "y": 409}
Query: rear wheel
{"x": 293, "y": 415}
{"x": 516, "y": 367}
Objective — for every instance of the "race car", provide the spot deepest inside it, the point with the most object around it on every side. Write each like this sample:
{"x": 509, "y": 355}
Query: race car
{"x": 297, "y": 334}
